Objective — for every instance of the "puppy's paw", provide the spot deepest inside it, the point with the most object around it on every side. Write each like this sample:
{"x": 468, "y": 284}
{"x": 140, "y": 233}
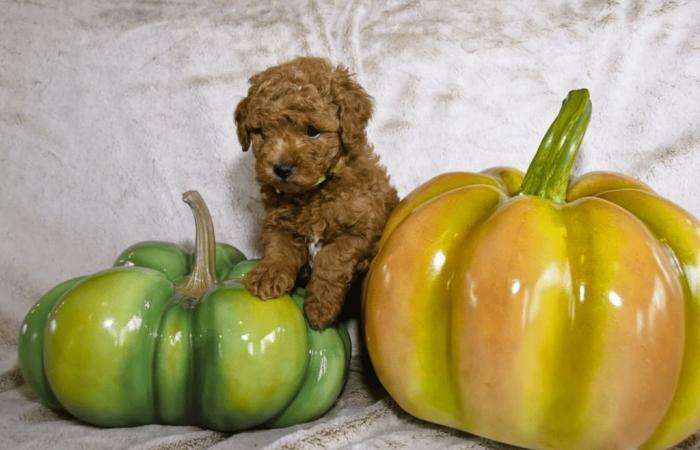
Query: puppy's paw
{"x": 269, "y": 280}
{"x": 322, "y": 303}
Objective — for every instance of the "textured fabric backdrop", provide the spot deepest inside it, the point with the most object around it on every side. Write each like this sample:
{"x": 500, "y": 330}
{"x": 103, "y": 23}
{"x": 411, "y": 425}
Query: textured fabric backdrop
{"x": 110, "y": 109}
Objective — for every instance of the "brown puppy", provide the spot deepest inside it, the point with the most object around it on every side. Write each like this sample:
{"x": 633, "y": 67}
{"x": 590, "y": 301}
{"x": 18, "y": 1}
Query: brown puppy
{"x": 325, "y": 195}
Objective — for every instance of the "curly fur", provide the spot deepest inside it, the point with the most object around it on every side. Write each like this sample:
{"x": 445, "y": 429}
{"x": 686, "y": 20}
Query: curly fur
{"x": 346, "y": 213}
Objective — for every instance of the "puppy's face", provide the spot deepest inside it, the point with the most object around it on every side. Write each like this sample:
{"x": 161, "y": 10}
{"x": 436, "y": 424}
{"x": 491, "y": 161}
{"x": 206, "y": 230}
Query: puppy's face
{"x": 299, "y": 117}
{"x": 295, "y": 143}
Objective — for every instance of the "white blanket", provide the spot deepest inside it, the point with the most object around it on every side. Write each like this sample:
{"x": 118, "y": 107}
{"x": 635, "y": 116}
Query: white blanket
{"x": 110, "y": 109}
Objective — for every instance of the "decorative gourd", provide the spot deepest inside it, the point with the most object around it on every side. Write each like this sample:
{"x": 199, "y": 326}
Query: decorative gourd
{"x": 538, "y": 314}
{"x": 156, "y": 341}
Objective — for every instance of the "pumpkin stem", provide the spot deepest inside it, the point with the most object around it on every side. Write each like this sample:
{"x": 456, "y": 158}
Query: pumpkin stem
{"x": 203, "y": 272}
{"x": 550, "y": 169}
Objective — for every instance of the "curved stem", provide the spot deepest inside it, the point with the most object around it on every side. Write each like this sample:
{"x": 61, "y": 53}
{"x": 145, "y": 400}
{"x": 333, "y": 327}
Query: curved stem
{"x": 550, "y": 169}
{"x": 203, "y": 272}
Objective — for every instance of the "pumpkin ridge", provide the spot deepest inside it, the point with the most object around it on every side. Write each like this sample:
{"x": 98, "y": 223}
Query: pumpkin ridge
{"x": 154, "y": 366}
{"x": 658, "y": 214}
{"x": 442, "y": 184}
{"x": 191, "y": 412}
{"x": 429, "y": 216}
{"x": 31, "y": 342}
{"x": 634, "y": 424}
{"x": 496, "y": 308}
{"x": 580, "y": 349}
{"x": 593, "y": 184}
{"x": 452, "y": 371}
{"x": 167, "y": 387}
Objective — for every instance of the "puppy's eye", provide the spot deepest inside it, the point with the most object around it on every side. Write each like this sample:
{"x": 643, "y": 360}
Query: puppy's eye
{"x": 312, "y": 132}
{"x": 256, "y": 131}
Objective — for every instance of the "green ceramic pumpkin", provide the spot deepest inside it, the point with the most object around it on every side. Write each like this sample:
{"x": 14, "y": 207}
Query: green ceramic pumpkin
{"x": 157, "y": 339}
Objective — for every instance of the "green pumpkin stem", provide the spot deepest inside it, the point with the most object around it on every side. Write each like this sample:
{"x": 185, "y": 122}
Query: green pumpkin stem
{"x": 203, "y": 273}
{"x": 550, "y": 169}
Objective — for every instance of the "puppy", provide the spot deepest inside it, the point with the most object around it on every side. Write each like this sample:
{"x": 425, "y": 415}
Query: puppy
{"x": 326, "y": 197}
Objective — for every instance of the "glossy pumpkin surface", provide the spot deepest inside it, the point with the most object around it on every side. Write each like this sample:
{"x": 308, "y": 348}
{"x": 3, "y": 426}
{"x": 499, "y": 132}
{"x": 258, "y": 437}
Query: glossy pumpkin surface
{"x": 128, "y": 346}
{"x": 538, "y": 313}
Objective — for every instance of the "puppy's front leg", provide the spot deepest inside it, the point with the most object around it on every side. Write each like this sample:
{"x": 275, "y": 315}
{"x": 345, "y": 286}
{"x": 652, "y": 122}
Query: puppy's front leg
{"x": 334, "y": 268}
{"x": 276, "y": 273}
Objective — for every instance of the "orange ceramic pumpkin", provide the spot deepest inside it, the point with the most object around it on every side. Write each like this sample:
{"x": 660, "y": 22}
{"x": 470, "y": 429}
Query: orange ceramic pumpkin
{"x": 541, "y": 314}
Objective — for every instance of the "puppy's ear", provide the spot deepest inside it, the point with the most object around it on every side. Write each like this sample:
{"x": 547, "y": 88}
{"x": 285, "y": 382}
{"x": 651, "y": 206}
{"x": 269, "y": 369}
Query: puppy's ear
{"x": 354, "y": 109}
{"x": 240, "y": 117}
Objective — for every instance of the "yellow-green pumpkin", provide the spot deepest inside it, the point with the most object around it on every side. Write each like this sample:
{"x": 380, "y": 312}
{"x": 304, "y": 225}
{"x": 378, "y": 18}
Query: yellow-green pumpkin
{"x": 538, "y": 313}
{"x": 157, "y": 339}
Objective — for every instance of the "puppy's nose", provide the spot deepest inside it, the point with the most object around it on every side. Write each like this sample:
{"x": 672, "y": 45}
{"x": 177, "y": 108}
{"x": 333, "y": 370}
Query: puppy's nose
{"x": 283, "y": 169}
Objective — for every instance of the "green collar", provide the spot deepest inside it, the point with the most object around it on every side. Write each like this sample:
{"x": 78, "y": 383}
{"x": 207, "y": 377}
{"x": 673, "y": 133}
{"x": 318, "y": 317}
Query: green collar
{"x": 336, "y": 170}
